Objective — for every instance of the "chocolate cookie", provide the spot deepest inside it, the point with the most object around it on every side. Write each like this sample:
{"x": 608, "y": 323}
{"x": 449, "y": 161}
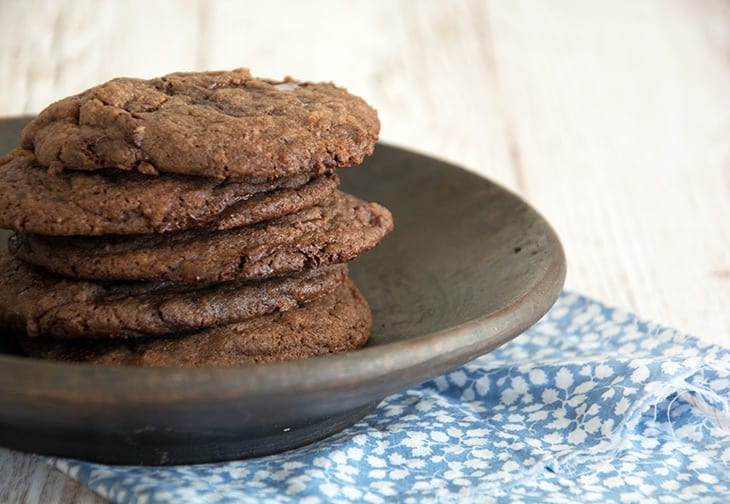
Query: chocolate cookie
{"x": 337, "y": 322}
{"x": 334, "y": 232}
{"x": 34, "y": 302}
{"x": 113, "y": 202}
{"x": 214, "y": 124}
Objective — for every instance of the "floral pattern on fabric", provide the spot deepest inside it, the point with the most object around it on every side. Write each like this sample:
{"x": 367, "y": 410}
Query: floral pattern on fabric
{"x": 589, "y": 405}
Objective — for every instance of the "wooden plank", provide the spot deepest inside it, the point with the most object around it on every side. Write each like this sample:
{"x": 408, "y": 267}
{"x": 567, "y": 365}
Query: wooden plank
{"x": 621, "y": 114}
{"x": 26, "y": 478}
{"x": 49, "y": 49}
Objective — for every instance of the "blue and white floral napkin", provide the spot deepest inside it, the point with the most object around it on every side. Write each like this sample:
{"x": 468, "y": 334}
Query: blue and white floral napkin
{"x": 590, "y": 405}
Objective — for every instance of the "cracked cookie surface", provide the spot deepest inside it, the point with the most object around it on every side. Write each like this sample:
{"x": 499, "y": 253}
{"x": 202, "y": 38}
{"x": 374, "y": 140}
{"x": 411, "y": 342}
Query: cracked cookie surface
{"x": 334, "y": 232}
{"x": 215, "y": 124}
{"x": 114, "y": 202}
{"x": 337, "y": 322}
{"x": 35, "y": 303}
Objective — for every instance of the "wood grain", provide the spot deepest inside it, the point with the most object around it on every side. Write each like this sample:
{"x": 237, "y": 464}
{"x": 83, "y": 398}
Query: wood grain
{"x": 621, "y": 113}
{"x": 612, "y": 118}
{"x": 25, "y": 478}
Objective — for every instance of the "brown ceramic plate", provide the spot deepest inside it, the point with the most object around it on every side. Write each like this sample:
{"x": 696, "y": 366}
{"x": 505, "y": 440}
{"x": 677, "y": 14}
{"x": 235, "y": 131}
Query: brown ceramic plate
{"x": 468, "y": 267}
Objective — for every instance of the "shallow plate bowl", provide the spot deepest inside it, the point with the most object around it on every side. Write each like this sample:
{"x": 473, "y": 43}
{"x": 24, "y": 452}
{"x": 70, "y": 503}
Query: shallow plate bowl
{"x": 468, "y": 267}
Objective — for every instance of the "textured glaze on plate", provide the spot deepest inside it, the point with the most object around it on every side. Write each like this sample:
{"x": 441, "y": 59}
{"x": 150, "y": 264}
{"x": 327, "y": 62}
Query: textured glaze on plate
{"x": 468, "y": 267}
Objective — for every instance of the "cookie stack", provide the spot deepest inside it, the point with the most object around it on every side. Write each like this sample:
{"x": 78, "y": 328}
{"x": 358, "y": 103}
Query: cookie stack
{"x": 188, "y": 220}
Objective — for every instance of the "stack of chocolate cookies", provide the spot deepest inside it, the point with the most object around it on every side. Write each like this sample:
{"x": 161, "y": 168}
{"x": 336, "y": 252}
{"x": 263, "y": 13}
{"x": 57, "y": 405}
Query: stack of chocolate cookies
{"x": 188, "y": 220}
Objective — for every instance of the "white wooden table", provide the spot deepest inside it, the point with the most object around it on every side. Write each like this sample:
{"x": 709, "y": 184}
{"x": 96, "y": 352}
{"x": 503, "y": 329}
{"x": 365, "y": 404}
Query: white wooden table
{"x": 611, "y": 117}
